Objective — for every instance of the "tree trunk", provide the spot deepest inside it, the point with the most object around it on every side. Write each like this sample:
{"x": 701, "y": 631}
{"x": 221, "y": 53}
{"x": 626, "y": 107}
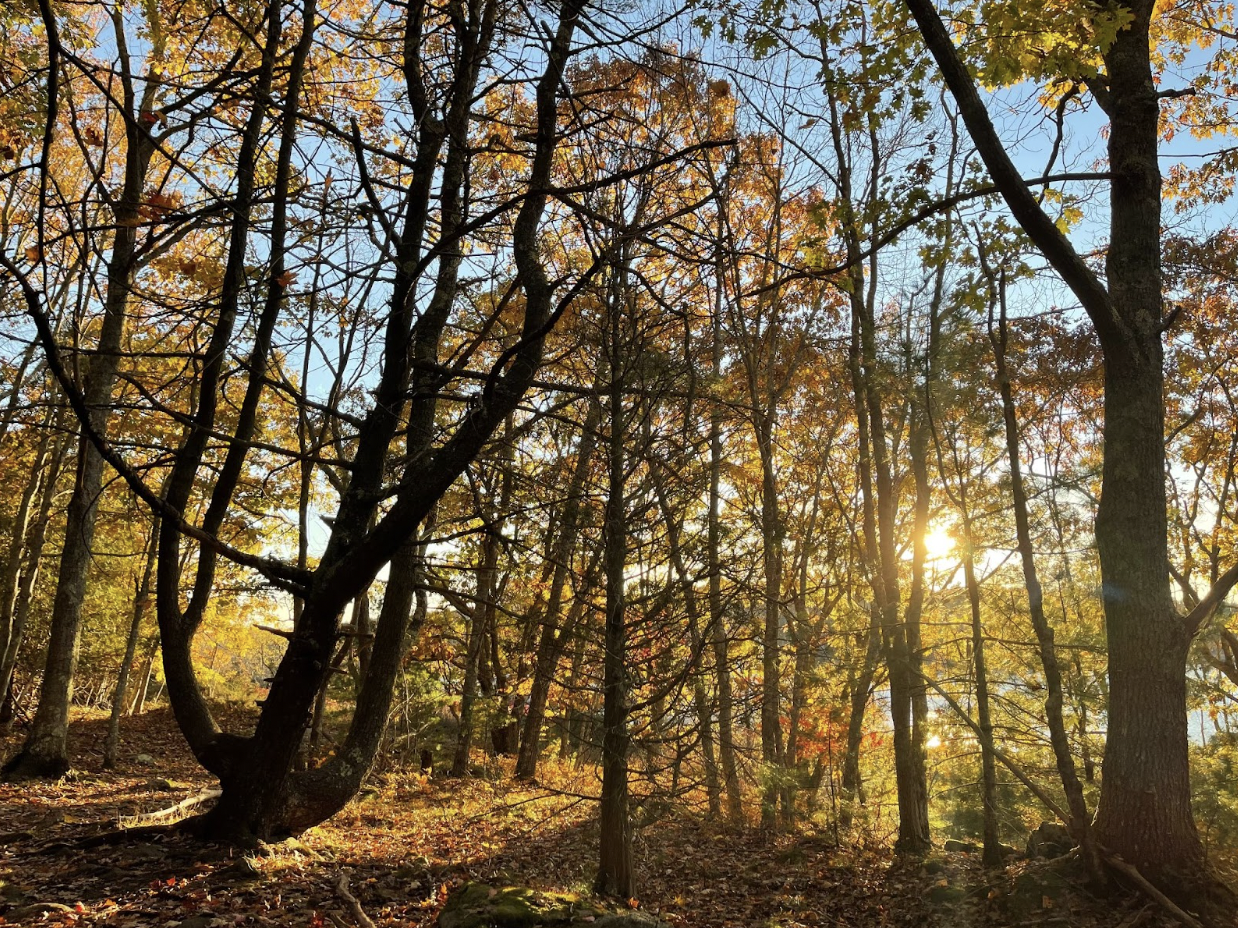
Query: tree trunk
{"x": 111, "y": 742}
{"x": 1081, "y": 821}
{"x": 138, "y": 706}
{"x": 992, "y": 854}
{"x": 700, "y": 697}
{"x": 474, "y": 649}
{"x": 879, "y": 493}
{"x": 553, "y": 639}
{"x": 861, "y": 687}
{"x": 1144, "y": 813}
{"x": 772, "y": 747}
{"x": 31, "y": 562}
{"x": 543, "y": 676}
{"x": 570, "y": 733}
{"x": 45, "y": 752}
{"x": 615, "y": 876}
{"x": 717, "y": 618}
{"x": 19, "y": 532}
{"x": 260, "y": 795}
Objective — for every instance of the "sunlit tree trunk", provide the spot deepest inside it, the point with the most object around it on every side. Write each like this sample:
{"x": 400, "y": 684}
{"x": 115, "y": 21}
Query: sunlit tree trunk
{"x": 1081, "y": 823}
{"x": 141, "y": 600}
{"x": 553, "y": 637}
{"x": 45, "y": 751}
{"x": 31, "y": 565}
{"x": 700, "y": 696}
{"x": 717, "y": 617}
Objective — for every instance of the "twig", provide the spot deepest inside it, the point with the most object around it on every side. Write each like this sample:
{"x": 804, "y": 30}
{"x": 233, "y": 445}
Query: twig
{"x": 341, "y": 887}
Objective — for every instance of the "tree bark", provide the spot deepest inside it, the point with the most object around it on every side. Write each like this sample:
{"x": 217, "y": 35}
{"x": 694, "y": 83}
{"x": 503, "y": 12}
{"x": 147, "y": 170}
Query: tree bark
{"x": 992, "y": 852}
{"x": 615, "y": 874}
{"x": 31, "y": 565}
{"x": 260, "y": 796}
{"x": 1081, "y": 821}
{"x": 717, "y": 618}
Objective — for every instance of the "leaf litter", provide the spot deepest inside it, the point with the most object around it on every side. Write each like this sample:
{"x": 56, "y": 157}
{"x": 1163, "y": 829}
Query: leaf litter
{"x": 408, "y": 840}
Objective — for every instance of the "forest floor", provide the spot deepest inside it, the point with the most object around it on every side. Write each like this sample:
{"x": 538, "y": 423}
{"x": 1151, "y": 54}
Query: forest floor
{"x": 409, "y": 840}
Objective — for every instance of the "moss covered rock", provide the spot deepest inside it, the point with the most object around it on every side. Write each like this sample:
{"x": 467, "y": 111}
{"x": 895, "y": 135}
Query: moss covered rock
{"x": 479, "y": 905}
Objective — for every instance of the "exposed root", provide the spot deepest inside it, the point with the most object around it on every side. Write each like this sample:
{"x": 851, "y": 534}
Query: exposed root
{"x": 29, "y": 766}
{"x": 129, "y": 827}
{"x": 33, "y": 909}
{"x": 273, "y": 849}
{"x": 171, "y": 814}
{"x": 341, "y": 887}
{"x": 1132, "y": 874}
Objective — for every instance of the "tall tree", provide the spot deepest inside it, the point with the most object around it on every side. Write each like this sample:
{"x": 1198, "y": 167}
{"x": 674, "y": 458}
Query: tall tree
{"x": 45, "y": 751}
{"x": 1145, "y": 810}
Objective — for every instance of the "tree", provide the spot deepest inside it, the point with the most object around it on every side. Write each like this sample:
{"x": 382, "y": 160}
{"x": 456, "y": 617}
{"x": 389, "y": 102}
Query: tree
{"x": 45, "y": 751}
{"x": 1144, "y": 813}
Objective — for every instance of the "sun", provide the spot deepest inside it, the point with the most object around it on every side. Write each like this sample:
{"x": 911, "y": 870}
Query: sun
{"x": 939, "y": 543}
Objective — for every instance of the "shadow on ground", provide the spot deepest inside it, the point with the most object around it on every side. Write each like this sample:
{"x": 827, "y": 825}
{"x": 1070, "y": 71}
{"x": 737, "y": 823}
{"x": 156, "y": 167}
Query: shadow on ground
{"x": 407, "y": 841}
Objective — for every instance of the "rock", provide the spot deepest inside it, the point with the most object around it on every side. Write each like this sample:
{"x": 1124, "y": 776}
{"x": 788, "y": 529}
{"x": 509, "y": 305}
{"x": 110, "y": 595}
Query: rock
{"x": 145, "y": 760}
{"x": 478, "y": 905}
{"x": 961, "y": 847}
{"x": 243, "y": 868}
{"x": 1048, "y": 841}
{"x": 14, "y": 916}
{"x": 416, "y": 869}
{"x": 163, "y": 784}
{"x": 934, "y": 865}
{"x": 628, "y": 920}
{"x": 11, "y": 892}
{"x": 943, "y": 893}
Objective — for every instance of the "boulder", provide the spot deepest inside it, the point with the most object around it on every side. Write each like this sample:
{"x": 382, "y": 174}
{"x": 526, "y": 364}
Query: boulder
{"x": 1049, "y": 840}
{"x": 961, "y": 847}
{"x": 479, "y": 905}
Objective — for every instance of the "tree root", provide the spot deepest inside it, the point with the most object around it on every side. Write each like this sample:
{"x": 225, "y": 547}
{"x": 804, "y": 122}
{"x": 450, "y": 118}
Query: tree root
{"x": 1133, "y": 874}
{"x": 143, "y": 825}
{"x": 341, "y": 887}
{"x": 111, "y": 836}
{"x": 37, "y": 908}
{"x": 171, "y": 814}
